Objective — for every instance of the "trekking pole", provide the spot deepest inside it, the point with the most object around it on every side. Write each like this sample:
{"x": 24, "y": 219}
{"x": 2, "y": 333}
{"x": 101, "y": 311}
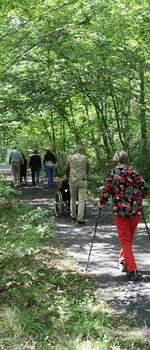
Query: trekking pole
{"x": 93, "y": 237}
{"x": 145, "y": 223}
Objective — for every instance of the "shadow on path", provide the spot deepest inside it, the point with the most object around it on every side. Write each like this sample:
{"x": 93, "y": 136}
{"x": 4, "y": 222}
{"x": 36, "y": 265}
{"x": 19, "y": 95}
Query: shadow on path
{"x": 103, "y": 266}
{"x": 123, "y": 295}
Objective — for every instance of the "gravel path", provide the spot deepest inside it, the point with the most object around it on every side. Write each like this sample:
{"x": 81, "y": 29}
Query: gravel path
{"x": 123, "y": 295}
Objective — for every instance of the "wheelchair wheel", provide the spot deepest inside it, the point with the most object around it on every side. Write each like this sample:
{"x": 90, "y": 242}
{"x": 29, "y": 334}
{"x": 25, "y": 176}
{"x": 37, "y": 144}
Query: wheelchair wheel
{"x": 58, "y": 206}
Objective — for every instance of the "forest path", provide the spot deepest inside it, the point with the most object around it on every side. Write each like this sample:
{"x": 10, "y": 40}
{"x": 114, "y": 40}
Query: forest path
{"x": 124, "y": 296}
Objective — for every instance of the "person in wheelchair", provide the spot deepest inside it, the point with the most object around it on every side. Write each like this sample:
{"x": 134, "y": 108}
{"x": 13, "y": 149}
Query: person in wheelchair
{"x": 63, "y": 187}
{"x": 62, "y": 199}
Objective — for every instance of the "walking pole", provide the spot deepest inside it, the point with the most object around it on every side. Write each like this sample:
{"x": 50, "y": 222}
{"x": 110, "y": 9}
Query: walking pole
{"x": 93, "y": 237}
{"x": 145, "y": 223}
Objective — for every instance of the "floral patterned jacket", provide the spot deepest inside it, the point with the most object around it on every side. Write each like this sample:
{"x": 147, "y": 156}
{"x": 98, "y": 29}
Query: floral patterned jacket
{"x": 127, "y": 189}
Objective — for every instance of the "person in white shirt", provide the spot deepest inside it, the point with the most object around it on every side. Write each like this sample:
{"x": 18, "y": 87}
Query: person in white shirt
{"x": 15, "y": 160}
{"x": 77, "y": 170}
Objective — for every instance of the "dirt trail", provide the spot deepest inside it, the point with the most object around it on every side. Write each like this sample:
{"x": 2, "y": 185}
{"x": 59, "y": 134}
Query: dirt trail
{"x": 123, "y": 295}
{"x": 117, "y": 290}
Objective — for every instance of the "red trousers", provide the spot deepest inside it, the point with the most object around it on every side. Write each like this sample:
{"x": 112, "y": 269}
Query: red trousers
{"x": 126, "y": 228}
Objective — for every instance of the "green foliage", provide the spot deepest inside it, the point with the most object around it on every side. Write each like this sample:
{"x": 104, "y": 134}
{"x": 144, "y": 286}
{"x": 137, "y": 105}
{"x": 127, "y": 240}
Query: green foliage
{"x": 76, "y": 72}
{"x": 146, "y": 208}
{"x": 6, "y": 192}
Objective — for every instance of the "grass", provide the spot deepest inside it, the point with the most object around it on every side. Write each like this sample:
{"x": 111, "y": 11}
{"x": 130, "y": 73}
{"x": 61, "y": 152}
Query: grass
{"x": 47, "y": 302}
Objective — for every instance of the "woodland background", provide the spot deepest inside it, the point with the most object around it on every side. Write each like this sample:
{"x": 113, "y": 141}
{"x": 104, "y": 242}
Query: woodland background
{"x": 73, "y": 72}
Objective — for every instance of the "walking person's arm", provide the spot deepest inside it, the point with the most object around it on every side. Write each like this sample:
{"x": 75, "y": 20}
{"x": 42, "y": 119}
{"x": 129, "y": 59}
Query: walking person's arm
{"x": 67, "y": 170}
{"x": 87, "y": 168}
{"x": 10, "y": 158}
{"x": 40, "y": 162}
{"x": 142, "y": 186}
{"x": 30, "y": 163}
{"x": 106, "y": 192}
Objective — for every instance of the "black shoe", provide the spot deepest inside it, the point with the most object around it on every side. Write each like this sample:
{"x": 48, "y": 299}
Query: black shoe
{"x": 73, "y": 219}
{"x": 122, "y": 266}
{"x": 80, "y": 222}
{"x": 134, "y": 276}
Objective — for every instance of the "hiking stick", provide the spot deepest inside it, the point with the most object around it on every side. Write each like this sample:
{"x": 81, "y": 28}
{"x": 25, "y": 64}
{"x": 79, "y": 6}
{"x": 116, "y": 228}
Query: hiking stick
{"x": 93, "y": 237}
{"x": 145, "y": 223}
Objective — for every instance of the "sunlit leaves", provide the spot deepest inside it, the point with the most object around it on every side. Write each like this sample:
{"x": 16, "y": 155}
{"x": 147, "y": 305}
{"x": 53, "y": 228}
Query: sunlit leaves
{"x": 80, "y": 64}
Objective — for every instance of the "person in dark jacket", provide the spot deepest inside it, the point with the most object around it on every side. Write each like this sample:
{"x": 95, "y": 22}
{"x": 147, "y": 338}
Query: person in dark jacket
{"x": 49, "y": 163}
{"x": 35, "y": 164}
{"x": 127, "y": 189}
{"x": 23, "y": 169}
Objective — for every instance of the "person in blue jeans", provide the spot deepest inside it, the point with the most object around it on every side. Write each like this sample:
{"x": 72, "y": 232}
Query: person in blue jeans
{"x": 35, "y": 164}
{"x": 49, "y": 163}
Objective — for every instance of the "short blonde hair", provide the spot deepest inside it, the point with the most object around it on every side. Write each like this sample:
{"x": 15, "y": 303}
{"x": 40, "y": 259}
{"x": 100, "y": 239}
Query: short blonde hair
{"x": 121, "y": 157}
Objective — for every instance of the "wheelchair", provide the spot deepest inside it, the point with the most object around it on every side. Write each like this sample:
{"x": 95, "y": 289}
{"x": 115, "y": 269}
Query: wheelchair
{"x": 61, "y": 206}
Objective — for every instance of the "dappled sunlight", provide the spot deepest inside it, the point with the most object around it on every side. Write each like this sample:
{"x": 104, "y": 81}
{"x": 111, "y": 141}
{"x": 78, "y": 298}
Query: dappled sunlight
{"x": 104, "y": 265}
{"x": 37, "y": 202}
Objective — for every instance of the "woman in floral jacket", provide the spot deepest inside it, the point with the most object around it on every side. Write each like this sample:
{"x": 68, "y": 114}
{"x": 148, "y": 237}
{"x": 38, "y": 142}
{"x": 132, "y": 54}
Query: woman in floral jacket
{"x": 127, "y": 189}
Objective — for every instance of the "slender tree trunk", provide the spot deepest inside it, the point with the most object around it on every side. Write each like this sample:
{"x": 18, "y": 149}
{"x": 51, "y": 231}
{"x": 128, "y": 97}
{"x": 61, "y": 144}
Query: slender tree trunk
{"x": 116, "y": 113}
{"x": 45, "y": 126}
{"x": 53, "y": 134}
{"x": 95, "y": 142}
{"x": 143, "y": 123}
{"x": 63, "y": 135}
{"x": 104, "y": 135}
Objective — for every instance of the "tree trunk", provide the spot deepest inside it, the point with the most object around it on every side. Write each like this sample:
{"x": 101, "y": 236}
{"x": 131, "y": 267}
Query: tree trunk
{"x": 143, "y": 123}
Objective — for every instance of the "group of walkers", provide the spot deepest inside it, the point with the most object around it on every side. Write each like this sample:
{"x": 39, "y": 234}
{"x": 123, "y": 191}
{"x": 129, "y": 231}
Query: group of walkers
{"x": 20, "y": 164}
{"x": 124, "y": 185}
{"x": 127, "y": 189}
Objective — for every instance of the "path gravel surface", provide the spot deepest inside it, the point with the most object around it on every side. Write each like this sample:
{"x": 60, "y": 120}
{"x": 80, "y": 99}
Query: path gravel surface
{"x": 131, "y": 297}
{"x": 124, "y": 296}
